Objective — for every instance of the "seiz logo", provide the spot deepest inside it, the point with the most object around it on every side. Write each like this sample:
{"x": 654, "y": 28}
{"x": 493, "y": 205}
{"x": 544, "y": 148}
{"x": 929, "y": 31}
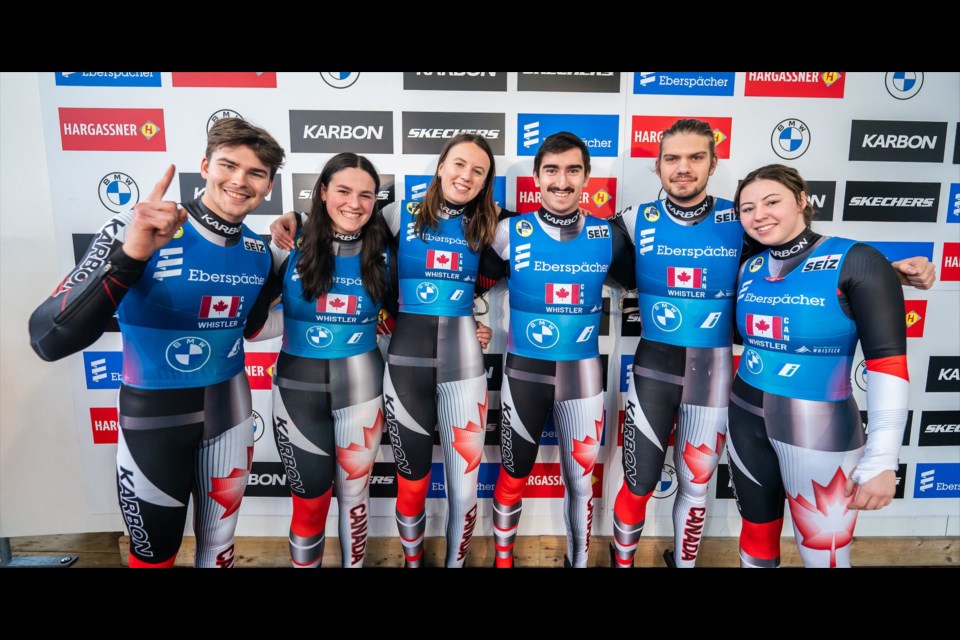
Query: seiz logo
{"x": 939, "y": 429}
{"x": 950, "y": 267}
{"x": 251, "y": 79}
{"x": 943, "y": 373}
{"x": 254, "y": 244}
{"x": 794, "y": 84}
{"x": 684, "y": 83}
{"x": 454, "y": 80}
{"x": 104, "y": 424}
{"x": 259, "y": 368}
{"x": 937, "y": 480}
{"x": 103, "y": 369}
{"x": 822, "y": 263}
{"x": 601, "y": 133}
{"x": 598, "y": 232}
{"x": 93, "y": 129}
{"x": 646, "y": 131}
{"x": 915, "y": 316}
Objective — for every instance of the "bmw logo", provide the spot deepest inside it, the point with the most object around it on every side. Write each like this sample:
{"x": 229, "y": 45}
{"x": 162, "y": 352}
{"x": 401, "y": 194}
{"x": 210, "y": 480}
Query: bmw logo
{"x": 319, "y": 336}
{"x": 667, "y": 316}
{"x": 188, "y": 353}
{"x": 903, "y": 85}
{"x": 118, "y": 192}
{"x": 790, "y": 139}
{"x": 427, "y": 292}
{"x": 860, "y": 377}
{"x": 542, "y": 334}
{"x": 753, "y": 361}
{"x": 340, "y": 79}
{"x": 668, "y": 482}
{"x": 222, "y": 113}
{"x": 258, "y": 426}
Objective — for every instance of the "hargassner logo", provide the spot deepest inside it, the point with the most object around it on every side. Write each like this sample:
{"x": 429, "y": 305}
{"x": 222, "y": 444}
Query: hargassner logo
{"x": 251, "y": 79}
{"x": 337, "y": 131}
{"x": 455, "y": 80}
{"x": 108, "y": 78}
{"x": 795, "y": 84}
{"x": 599, "y": 197}
{"x": 104, "y": 424}
{"x": 303, "y": 184}
{"x": 898, "y": 141}
{"x": 103, "y": 369}
{"x": 601, "y": 133}
{"x": 574, "y": 81}
{"x": 822, "y": 196}
{"x": 915, "y": 315}
{"x": 428, "y": 131}
{"x": 892, "y": 201}
{"x": 939, "y": 429}
{"x": 192, "y": 186}
{"x": 684, "y": 83}
{"x": 937, "y": 480}
{"x": 646, "y": 131}
{"x": 93, "y": 129}
{"x": 953, "y": 203}
{"x": 950, "y": 267}
{"x": 415, "y": 187}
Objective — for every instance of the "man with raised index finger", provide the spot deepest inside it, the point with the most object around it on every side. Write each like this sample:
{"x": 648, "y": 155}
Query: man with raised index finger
{"x": 187, "y": 282}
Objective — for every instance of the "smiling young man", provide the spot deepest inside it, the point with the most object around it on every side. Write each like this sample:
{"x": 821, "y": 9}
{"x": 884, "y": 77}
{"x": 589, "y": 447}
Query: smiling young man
{"x": 557, "y": 260}
{"x": 186, "y": 283}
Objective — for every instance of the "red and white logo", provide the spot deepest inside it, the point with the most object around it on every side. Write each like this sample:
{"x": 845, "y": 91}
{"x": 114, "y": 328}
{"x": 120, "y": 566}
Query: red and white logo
{"x": 259, "y": 367}
{"x": 950, "y": 269}
{"x": 83, "y": 129}
{"x": 646, "y": 132}
{"x": 253, "y": 79}
{"x": 564, "y": 294}
{"x": 220, "y": 307}
{"x": 337, "y": 303}
{"x": 449, "y": 260}
{"x": 765, "y": 326}
{"x": 544, "y": 481}
{"x": 795, "y": 84}
{"x": 599, "y": 197}
{"x": 916, "y": 315}
{"x": 685, "y": 277}
{"x": 105, "y": 424}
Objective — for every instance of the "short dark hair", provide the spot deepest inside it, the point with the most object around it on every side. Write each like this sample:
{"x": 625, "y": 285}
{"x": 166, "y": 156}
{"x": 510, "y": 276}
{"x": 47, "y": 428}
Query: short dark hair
{"x": 558, "y": 143}
{"x": 236, "y": 132}
{"x": 690, "y": 125}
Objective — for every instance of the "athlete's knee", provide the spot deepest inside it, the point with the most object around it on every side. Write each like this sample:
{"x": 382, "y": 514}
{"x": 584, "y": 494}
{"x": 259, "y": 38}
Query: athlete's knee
{"x": 310, "y": 514}
{"x": 761, "y": 540}
{"x": 412, "y": 495}
{"x": 629, "y": 507}
{"x": 509, "y": 490}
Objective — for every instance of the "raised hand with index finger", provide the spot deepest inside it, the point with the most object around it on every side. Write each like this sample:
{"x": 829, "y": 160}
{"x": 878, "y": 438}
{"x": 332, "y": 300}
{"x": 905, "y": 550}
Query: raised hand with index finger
{"x": 155, "y": 221}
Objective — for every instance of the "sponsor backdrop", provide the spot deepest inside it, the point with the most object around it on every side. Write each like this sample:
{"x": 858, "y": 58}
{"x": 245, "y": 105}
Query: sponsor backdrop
{"x": 880, "y": 150}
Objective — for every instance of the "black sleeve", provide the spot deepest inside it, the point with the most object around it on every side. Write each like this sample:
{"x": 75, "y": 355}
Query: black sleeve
{"x": 261, "y": 306}
{"x": 493, "y": 268}
{"x": 77, "y": 313}
{"x": 623, "y": 266}
{"x": 391, "y": 298}
{"x": 871, "y": 294}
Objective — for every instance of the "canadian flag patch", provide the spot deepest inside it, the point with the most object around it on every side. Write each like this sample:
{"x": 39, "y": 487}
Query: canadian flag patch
{"x": 564, "y": 294}
{"x": 449, "y": 260}
{"x": 685, "y": 277}
{"x": 337, "y": 303}
{"x": 765, "y": 326}
{"x": 220, "y": 307}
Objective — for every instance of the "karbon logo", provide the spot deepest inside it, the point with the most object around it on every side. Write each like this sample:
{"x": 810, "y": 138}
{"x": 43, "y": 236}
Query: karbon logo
{"x": 822, "y": 196}
{"x": 337, "y": 131}
{"x": 794, "y": 84}
{"x": 455, "y": 80}
{"x": 897, "y": 141}
{"x": 104, "y": 424}
{"x": 943, "y": 374}
{"x": 599, "y": 197}
{"x": 646, "y": 131}
{"x": 267, "y": 480}
{"x": 93, "y": 129}
{"x": 250, "y": 79}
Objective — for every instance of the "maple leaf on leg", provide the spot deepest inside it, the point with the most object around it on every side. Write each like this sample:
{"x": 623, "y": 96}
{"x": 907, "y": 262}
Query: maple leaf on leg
{"x": 828, "y": 525}
{"x": 702, "y": 460}
{"x": 355, "y": 458}
{"x": 465, "y": 440}
{"x": 228, "y": 491}
{"x": 585, "y": 451}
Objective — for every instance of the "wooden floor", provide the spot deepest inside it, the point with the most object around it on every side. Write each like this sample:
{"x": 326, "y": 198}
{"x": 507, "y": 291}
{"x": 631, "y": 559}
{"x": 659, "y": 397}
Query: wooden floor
{"x": 109, "y": 550}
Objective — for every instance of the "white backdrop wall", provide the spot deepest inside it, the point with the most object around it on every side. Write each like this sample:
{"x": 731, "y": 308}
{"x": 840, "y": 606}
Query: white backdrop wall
{"x": 57, "y": 424}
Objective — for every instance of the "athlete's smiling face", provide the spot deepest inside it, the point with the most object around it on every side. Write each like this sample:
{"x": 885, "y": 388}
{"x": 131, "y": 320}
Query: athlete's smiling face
{"x": 561, "y": 180}
{"x": 684, "y": 166}
{"x": 463, "y": 173}
{"x": 237, "y": 182}
{"x": 349, "y": 199}
{"x": 770, "y": 213}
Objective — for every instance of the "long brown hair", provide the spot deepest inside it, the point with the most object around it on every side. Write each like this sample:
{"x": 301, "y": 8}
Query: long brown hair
{"x": 481, "y": 211}
{"x": 316, "y": 261}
